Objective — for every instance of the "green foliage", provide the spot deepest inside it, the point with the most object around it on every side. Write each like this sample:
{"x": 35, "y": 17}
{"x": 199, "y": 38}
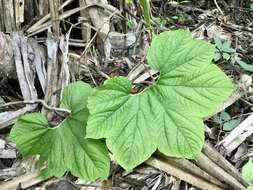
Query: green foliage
{"x": 63, "y": 147}
{"x": 231, "y": 124}
{"x": 225, "y": 119}
{"x": 146, "y": 12}
{"x": 223, "y": 50}
{"x": 247, "y": 171}
{"x": 245, "y": 66}
{"x": 251, "y": 7}
{"x": 221, "y": 117}
{"x": 167, "y": 115}
{"x": 130, "y": 24}
{"x": 159, "y": 21}
{"x": 129, "y": 2}
{"x": 226, "y": 52}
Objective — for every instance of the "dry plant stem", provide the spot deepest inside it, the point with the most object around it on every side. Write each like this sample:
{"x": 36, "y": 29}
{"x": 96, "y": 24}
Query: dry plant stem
{"x": 52, "y": 75}
{"x": 46, "y": 17}
{"x": 189, "y": 167}
{"x": 179, "y": 173}
{"x": 9, "y": 173}
{"x": 218, "y": 7}
{"x": 64, "y": 77}
{"x": 19, "y": 12}
{"x": 216, "y": 157}
{"x": 24, "y": 71}
{"x": 237, "y": 136}
{"x": 43, "y": 7}
{"x": 48, "y": 24}
{"x": 54, "y": 6}
{"x": 7, "y": 66}
{"x": 25, "y": 76}
{"x": 64, "y": 15}
{"x": 86, "y": 31}
{"x": 1, "y": 17}
{"x": 95, "y": 35}
{"x": 237, "y": 27}
{"x": 8, "y": 118}
{"x": 99, "y": 18}
{"x": 26, "y": 181}
{"x": 7, "y": 16}
{"x": 213, "y": 169}
{"x": 36, "y": 102}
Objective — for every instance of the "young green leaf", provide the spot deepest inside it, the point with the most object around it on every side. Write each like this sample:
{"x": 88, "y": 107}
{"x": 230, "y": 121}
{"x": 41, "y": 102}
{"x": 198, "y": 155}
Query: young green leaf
{"x": 218, "y": 43}
{"x": 167, "y": 115}
{"x": 63, "y": 147}
{"x": 226, "y": 47}
{"x": 226, "y": 56}
{"x": 230, "y": 125}
{"x": 247, "y": 171}
{"x": 221, "y": 117}
{"x": 251, "y": 7}
{"x": 245, "y": 66}
{"x": 225, "y": 116}
{"x": 217, "y": 56}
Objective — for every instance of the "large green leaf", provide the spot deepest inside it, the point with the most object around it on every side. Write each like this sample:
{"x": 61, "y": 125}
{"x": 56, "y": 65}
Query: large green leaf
{"x": 167, "y": 115}
{"x": 64, "y": 147}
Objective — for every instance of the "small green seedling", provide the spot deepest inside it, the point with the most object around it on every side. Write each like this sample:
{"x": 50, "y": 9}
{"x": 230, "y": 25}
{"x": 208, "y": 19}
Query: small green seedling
{"x": 225, "y": 120}
{"x": 223, "y": 50}
{"x": 226, "y": 52}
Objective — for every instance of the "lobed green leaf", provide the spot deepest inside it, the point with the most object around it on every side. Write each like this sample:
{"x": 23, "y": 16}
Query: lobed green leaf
{"x": 167, "y": 115}
{"x": 64, "y": 147}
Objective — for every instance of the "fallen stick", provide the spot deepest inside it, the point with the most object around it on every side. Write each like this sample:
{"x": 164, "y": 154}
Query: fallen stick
{"x": 216, "y": 157}
{"x": 213, "y": 169}
{"x": 237, "y": 136}
{"x": 181, "y": 174}
{"x": 45, "y": 18}
{"x": 190, "y": 167}
{"x": 9, "y": 117}
{"x": 26, "y": 181}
